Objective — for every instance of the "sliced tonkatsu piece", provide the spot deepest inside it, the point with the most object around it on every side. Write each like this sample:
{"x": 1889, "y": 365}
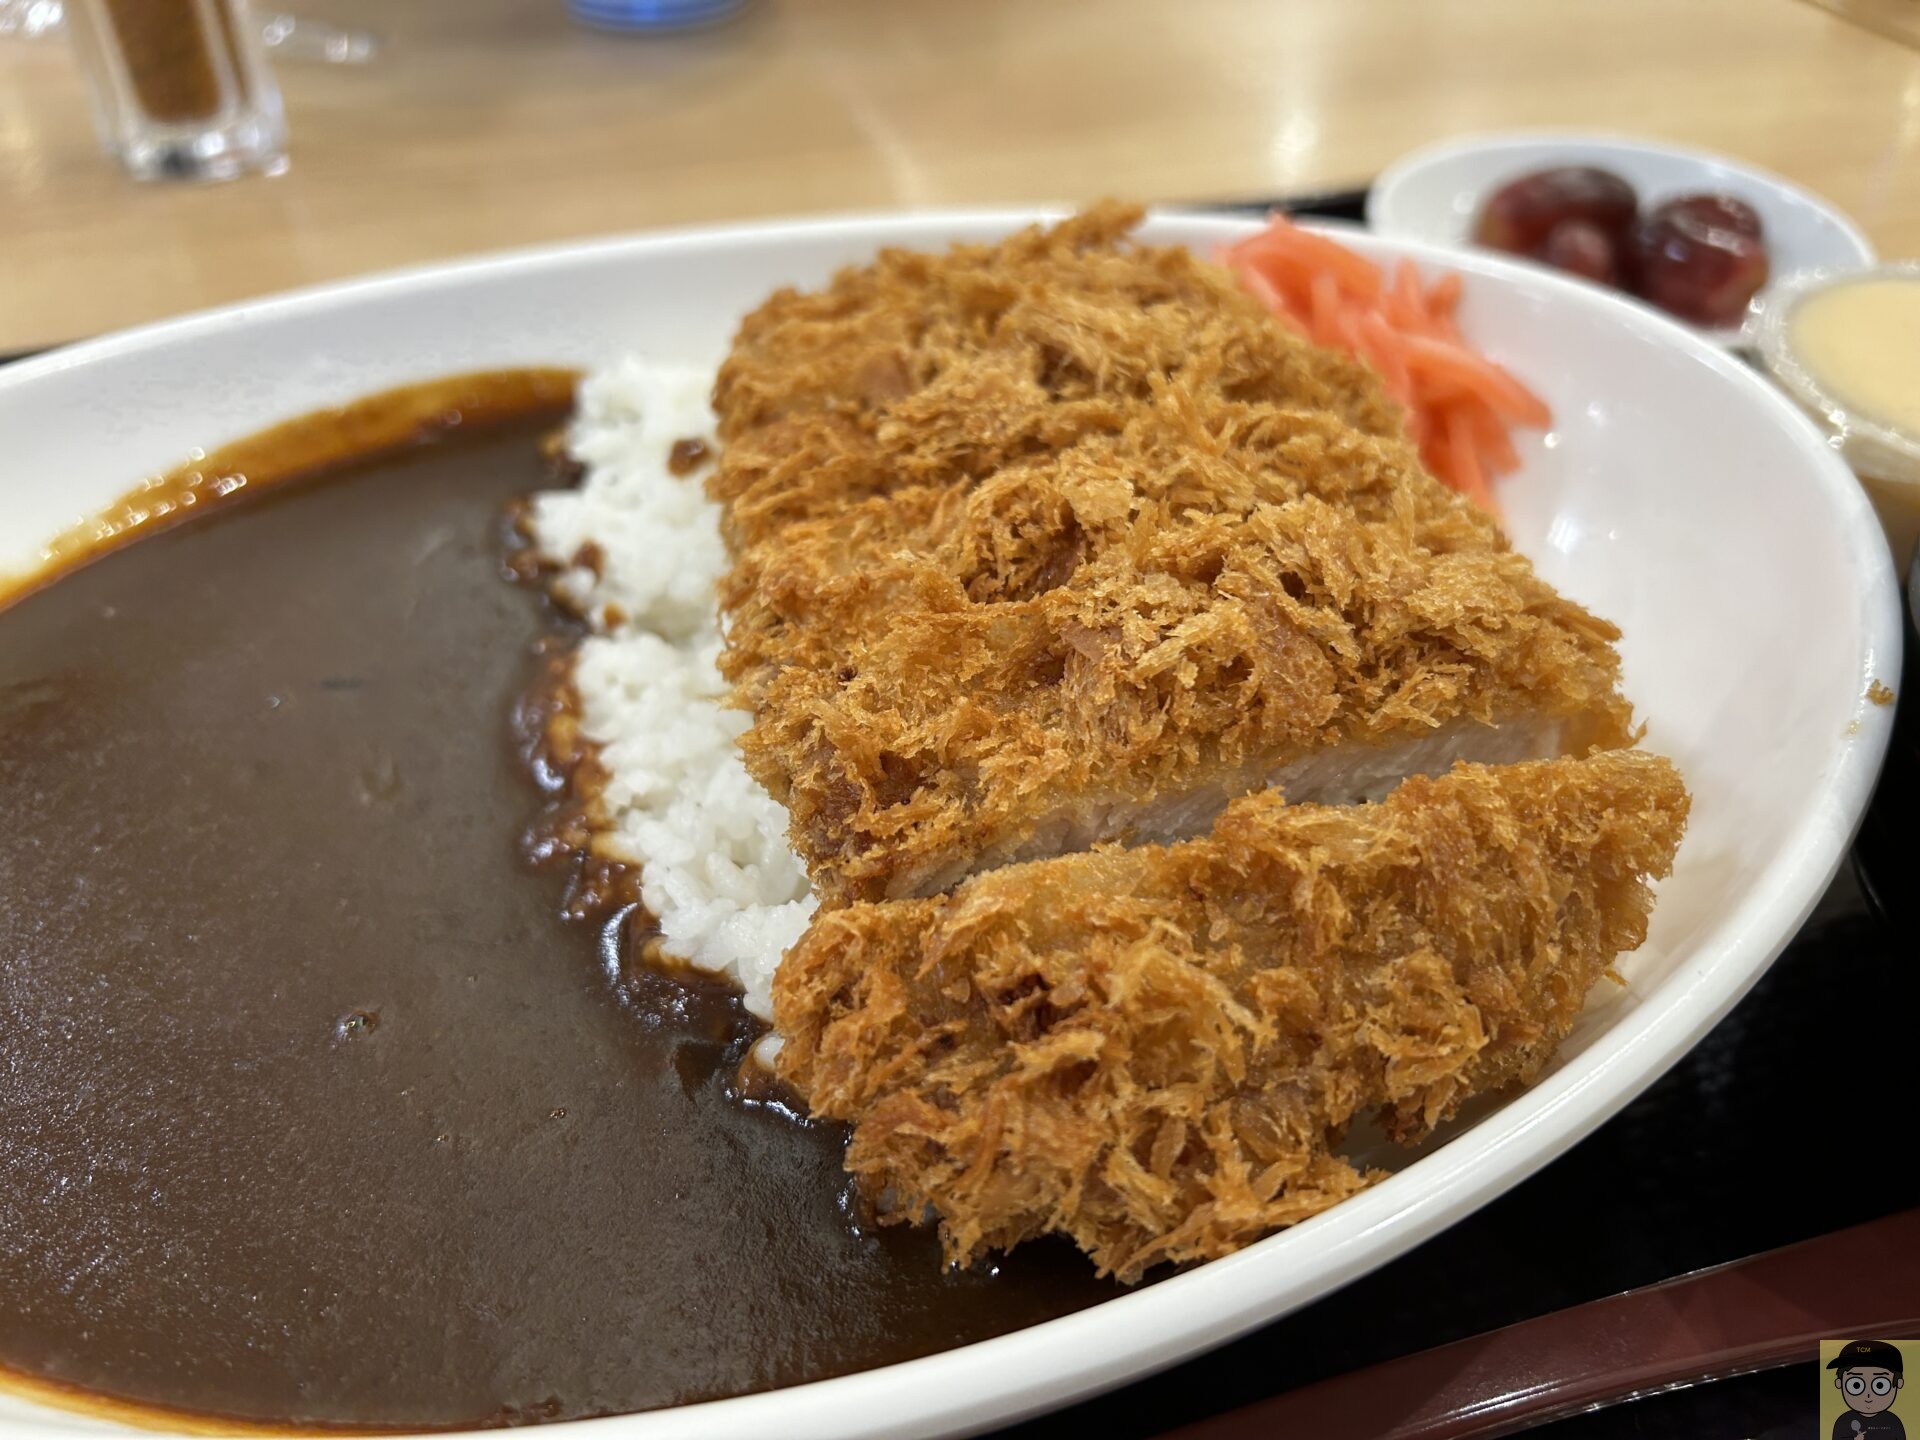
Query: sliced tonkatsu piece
{"x": 1066, "y": 540}
{"x": 1006, "y": 351}
{"x": 1184, "y": 455}
{"x": 1156, "y": 1051}
{"x": 916, "y": 743}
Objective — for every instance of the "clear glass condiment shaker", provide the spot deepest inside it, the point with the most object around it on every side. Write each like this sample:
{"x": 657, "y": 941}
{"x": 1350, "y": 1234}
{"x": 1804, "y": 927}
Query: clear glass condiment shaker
{"x": 181, "y": 88}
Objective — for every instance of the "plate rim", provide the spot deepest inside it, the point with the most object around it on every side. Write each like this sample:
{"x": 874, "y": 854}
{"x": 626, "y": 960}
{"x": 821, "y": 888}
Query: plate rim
{"x": 1024, "y": 1372}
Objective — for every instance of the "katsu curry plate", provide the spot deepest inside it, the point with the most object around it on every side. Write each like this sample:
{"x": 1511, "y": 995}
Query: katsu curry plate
{"x": 867, "y": 826}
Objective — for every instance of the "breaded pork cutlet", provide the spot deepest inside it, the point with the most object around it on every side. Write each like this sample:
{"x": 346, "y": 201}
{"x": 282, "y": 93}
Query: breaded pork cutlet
{"x": 1156, "y": 1051}
{"x": 1066, "y": 540}
{"x": 930, "y": 371}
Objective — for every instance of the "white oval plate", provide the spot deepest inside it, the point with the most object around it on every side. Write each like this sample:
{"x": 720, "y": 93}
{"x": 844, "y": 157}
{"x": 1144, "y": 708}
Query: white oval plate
{"x": 1678, "y": 495}
{"x": 1433, "y": 193}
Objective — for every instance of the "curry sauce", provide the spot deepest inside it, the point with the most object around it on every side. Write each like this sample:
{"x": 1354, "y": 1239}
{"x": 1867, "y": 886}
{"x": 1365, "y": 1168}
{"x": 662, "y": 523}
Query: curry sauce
{"x": 316, "y": 1108}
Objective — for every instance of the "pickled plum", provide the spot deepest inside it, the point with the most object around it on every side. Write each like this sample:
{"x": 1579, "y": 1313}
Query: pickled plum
{"x": 1700, "y": 257}
{"x": 1520, "y": 215}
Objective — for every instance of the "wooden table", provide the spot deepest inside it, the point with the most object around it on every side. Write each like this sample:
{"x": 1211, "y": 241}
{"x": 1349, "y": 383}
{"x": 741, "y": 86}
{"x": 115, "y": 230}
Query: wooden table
{"x": 490, "y": 123}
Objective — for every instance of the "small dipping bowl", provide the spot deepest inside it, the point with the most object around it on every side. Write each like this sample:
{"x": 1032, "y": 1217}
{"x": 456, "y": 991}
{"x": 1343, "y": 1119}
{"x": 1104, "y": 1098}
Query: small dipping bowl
{"x": 1846, "y": 345}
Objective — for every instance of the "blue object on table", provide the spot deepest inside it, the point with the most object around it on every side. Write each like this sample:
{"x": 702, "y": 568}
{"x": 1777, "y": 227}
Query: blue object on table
{"x": 652, "y": 15}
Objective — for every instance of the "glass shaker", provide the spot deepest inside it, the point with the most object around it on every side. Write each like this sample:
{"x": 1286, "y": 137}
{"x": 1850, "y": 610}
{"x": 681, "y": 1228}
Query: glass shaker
{"x": 181, "y": 88}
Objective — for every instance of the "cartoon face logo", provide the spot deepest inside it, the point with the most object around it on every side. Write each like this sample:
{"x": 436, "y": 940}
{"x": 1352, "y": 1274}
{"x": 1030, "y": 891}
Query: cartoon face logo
{"x": 1868, "y": 1375}
{"x": 1870, "y": 1389}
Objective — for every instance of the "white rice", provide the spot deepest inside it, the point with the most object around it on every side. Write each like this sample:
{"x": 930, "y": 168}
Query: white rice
{"x": 710, "y": 843}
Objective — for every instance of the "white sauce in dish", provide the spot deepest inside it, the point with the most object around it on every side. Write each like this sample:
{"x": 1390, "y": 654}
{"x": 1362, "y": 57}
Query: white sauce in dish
{"x": 1860, "y": 341}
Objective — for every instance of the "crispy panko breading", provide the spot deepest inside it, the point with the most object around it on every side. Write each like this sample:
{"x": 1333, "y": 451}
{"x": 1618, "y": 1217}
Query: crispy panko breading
{"x": 1156, "y": 1051}
{"x": 1066, "y": 540}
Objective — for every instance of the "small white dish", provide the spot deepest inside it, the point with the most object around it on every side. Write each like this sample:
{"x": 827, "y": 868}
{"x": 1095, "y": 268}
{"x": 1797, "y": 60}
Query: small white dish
{"x": 1884, "y": 456}
{"x": 1433, "y": 194}
{"x": 1679, "y": 494}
